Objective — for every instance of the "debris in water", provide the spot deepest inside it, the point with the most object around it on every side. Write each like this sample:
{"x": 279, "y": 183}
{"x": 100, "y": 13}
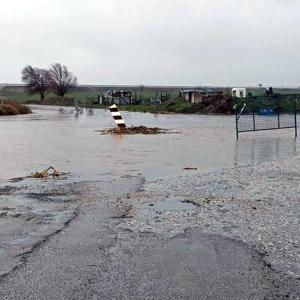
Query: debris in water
{"x": 134, "y": 130}
{"x": 17, "y": 179}
{"x": 90, "y": 112}
{"x": 63, "y": 111}
{"x": 45, "y": 173}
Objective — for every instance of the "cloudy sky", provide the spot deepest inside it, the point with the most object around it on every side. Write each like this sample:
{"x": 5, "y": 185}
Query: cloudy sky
{"x": 174, "y": 42}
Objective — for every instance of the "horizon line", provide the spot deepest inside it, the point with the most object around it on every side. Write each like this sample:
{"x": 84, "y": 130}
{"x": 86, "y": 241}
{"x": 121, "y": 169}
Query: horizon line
{"x": 169, "y": 85}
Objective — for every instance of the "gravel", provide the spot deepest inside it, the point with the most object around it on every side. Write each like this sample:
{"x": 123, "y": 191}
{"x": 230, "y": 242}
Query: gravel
{"x": 257, "y": 204}
{"x": 225, "y": 234}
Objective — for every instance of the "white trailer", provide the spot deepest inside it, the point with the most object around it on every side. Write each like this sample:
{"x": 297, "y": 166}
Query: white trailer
{"x": 239, "y": 92}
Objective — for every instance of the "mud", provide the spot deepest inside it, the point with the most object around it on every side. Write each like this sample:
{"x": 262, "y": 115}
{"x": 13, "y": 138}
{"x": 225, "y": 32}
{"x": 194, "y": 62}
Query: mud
{"x": 134, "y": 130}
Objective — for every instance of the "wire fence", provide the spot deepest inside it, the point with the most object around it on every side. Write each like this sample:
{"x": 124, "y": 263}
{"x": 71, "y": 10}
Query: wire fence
{"x": 265, "y": 114}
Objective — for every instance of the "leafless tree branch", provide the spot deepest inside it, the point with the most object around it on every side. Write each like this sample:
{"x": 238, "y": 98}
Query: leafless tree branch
{"x": 61, "y": 79}
{"x": 36, "y": 80}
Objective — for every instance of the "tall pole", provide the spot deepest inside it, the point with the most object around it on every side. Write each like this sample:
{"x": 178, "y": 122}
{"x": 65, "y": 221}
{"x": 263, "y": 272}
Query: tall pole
{"x": 278, "y": 113}
{"x": 296, "y": 129}
{"x": 253, "y": 115}
{"x": 236, "y": 124}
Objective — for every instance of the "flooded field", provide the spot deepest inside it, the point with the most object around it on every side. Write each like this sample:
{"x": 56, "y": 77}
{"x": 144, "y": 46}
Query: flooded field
{"x": 33, "y": 142}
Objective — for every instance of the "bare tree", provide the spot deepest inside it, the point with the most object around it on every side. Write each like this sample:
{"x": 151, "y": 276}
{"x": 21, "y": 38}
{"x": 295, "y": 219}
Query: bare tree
{"x": 61, "y": 79}
{"x": 36, "y": 80}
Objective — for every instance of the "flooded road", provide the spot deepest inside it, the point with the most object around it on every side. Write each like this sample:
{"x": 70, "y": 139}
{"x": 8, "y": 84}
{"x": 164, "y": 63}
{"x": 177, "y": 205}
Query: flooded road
{"x": 97, "y": 234}
{"x": 33, "y": 142}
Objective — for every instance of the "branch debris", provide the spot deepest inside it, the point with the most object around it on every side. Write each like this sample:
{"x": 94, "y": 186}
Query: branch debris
{"x": 135, "y": 130}
{"x": 46, "y": 173}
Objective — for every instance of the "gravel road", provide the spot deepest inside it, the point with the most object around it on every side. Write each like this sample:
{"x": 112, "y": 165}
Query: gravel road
{"x": 229, "y": 234}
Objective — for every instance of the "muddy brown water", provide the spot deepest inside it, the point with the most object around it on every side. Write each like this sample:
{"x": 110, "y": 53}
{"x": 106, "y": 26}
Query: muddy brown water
{"x": 33, "y": 142}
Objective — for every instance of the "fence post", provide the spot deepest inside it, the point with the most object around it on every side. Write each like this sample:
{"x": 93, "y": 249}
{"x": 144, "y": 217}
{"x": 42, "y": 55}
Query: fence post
{"x": 296, "y": 125}
{"x": 236, "y": 123}
{"x": 278, "y": 113}
{"x": 253, "y": 115}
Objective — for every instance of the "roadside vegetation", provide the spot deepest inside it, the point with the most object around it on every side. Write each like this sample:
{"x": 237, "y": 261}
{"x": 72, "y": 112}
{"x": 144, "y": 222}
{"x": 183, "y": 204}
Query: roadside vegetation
{"x": 216, "y": 105}
{"x": 170, "y": 106}
{"x": 175, "y": 104}
{"x": 9, "y": 107}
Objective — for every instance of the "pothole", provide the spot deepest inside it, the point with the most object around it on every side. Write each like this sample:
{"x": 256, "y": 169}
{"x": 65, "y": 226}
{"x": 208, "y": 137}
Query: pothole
{"x": 173, "y": 203}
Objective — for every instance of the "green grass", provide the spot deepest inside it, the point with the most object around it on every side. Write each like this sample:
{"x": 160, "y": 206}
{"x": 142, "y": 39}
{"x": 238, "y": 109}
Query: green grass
{"x": 284, "y": 102}
{"x": 19, "y": 94}
{"x": 22, "y": 96}
{"x": 171, "y": 106}
{"x": 80, "y": 93}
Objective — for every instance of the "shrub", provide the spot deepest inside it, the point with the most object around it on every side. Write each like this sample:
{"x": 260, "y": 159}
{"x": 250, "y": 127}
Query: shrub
{"x": 61, "y": 101}
{"x": 10, "y": 107}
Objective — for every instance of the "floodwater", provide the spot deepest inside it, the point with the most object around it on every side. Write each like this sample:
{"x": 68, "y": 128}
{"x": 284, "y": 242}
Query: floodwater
{"x": 33, "y": 142}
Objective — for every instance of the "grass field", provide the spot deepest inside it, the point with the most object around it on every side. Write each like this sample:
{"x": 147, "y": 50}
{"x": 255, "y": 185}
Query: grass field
{"x": 82, "y": 93}
{"x": 178, "y": 106}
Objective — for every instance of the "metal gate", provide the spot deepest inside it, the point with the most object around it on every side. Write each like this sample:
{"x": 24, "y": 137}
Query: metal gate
{"x": 265, "y": 114}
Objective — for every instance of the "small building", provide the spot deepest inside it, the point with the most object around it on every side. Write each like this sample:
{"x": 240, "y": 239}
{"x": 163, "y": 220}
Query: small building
{"x": 194, "y": 96}
{"x": 198, "y": 96}
{"x": 119, "y": 97}
{"x": 239, "y": 92}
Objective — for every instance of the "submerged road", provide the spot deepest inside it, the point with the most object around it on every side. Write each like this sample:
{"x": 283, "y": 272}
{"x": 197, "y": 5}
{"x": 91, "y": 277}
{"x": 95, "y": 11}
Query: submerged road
{"x": 94, "y": 258}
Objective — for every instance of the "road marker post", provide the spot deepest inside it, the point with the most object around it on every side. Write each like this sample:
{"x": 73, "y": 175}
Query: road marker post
{"x": 117, "y": 116}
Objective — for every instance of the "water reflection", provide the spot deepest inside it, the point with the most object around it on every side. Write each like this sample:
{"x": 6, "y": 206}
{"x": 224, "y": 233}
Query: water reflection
{"x": 264, "y": 149}
{"x": 118, "y": 138}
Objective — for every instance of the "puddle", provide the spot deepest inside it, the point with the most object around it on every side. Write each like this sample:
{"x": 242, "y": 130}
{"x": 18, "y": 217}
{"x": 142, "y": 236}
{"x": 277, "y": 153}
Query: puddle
{"x": 173, "y": 203}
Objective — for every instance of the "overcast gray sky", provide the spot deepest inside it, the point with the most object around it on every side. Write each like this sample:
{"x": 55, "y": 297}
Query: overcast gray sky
{"x": 176, "y": 42}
